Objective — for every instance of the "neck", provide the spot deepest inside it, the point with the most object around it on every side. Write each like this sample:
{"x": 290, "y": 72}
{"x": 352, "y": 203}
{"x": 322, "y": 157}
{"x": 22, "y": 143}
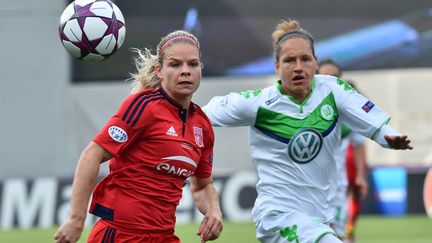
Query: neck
{"x": 298, "y": 95}
{"x": 184, "y": 102}
{"x": 179, "y": 100}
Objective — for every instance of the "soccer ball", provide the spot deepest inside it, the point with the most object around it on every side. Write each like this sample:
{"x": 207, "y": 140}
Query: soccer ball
{"x": 92, "y": 30}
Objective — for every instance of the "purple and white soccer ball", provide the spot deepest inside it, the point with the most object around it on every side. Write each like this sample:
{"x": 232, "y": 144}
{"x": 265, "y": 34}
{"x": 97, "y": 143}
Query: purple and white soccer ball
{"x": 92, "y": 30}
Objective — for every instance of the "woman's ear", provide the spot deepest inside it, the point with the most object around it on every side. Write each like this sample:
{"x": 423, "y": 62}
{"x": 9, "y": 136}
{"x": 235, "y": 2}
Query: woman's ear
{"x": 158, "y": 71}
{"x": 277, "y": 67}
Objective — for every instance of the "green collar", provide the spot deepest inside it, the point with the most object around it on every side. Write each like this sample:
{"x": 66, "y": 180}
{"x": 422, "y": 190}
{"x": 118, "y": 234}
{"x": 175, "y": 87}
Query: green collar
{"x": 279, "y": 87}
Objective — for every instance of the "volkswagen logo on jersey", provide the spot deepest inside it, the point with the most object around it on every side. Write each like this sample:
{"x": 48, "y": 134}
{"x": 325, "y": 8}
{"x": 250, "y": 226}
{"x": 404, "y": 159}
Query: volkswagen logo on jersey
{"x": 305, "y": 145}
{"x": 118, "y": 134}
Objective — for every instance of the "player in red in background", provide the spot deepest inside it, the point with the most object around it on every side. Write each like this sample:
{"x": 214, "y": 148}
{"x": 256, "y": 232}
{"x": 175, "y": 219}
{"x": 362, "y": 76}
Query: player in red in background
{"x": 356, "y": 167}
{"x": 354, "y": 182}
{"x": 156, "y": 140}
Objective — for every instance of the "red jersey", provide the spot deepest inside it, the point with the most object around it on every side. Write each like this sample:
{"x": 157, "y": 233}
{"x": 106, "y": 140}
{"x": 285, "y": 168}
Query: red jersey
{"x": 155, "y": 146}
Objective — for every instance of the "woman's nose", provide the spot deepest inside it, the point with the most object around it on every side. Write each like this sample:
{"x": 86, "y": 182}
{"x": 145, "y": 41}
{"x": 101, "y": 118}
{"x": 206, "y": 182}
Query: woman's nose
{"x": 298, "y": 65}
{"x": 185, "y": 69}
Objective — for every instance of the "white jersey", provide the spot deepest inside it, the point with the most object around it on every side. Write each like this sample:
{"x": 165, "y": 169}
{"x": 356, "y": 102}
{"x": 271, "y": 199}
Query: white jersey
{"x": 348, "y": 137}
{"x": 340, "y": 200}
{"x": 292, "y": 145}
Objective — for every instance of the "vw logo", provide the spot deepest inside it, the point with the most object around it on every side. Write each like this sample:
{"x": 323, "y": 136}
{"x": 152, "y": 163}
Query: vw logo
{"x": 305, "y": 145}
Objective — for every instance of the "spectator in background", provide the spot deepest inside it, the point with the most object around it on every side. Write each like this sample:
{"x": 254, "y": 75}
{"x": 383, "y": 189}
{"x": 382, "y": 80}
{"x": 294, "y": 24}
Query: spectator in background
{"x": 329, "y": 67}
{"x": 294, "y": 132}
{"x": 347, "y": 190}
{"x": 156, "y": 140}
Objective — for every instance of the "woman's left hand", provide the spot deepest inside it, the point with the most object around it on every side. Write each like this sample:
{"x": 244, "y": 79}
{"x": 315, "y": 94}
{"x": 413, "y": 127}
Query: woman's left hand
{"x": 398, "y": 142}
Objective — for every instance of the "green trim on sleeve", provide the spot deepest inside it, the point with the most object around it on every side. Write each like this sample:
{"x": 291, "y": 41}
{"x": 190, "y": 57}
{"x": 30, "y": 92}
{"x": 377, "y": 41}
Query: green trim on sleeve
{"x": 384, "y": 123}
{"x": 321, "y": 236}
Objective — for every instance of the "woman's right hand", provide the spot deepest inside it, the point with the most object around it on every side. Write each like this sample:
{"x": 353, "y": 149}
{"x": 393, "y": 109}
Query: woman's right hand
{"x": 69, "y": 232}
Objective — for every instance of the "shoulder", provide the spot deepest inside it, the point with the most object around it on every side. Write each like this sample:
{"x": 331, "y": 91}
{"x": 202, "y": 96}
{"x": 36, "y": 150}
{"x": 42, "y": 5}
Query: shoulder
{"x": 325, "y": 80}
{"x": 235, "y": 100}
{"x": 258, "y": 96}
{"x": 246, "y": 97}
{"x": 332, "y": 83}
{"x": 135, "y": 105}
{"x": 202, "y": 115}
{"x": 142, "y": 97}
{"x": 203, "y": 120}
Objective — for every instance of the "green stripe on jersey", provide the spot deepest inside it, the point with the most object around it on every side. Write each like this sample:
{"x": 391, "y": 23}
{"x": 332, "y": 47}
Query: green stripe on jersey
{"x": 321, "y": 118}
{"x": 345, "y": 130}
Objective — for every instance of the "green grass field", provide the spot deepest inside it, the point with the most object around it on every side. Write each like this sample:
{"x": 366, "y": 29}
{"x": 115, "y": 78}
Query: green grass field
{"x": 371, "y": 229}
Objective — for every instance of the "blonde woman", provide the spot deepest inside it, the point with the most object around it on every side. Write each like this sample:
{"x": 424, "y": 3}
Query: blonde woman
{"x": 156, "y": 140}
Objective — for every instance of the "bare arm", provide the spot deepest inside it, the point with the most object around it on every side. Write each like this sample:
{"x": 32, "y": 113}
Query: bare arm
{"x": 83, "y": 184}
{"x": 207, "y": 201}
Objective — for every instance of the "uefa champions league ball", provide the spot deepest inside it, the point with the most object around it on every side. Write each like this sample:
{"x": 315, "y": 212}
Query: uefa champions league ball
{"x": 92, "y": 30}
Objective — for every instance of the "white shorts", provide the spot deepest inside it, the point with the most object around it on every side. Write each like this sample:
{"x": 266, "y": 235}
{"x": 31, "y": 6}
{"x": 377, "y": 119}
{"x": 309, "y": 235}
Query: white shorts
{"x": 341, "y": 212}
{"x": 278, "y": 227}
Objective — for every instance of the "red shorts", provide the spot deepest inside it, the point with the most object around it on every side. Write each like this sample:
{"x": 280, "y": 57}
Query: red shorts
{"x": 103, "y": 232}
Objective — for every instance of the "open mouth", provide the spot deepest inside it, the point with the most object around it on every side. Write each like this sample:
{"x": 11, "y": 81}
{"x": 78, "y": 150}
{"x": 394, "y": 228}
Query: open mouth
{"x": 298, "y": 77}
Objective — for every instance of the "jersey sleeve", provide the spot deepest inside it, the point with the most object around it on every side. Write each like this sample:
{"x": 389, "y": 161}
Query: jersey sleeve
{"x": 205, "y": 165}
{"x": 122, "y": 129}
{"x": 232, "y": 110}
{"x": 357, "y": 139}
{"x": 360, "y": 114}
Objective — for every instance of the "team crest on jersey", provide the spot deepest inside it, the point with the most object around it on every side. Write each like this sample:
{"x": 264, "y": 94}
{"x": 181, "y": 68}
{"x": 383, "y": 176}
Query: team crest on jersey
{"x": 198, "y": 134}
{"x": 117, "y": 134}
{"x": 305, "y": 145}
{"x": 327, "y": 112}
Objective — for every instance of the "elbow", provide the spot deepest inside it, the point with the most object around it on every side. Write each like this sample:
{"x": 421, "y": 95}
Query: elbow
{"x": 196, "y": 188}
{"x": 197, "y": 184}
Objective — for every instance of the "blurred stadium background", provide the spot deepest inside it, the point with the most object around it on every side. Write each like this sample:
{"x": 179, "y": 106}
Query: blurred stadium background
{"x": 52, "y": 105}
